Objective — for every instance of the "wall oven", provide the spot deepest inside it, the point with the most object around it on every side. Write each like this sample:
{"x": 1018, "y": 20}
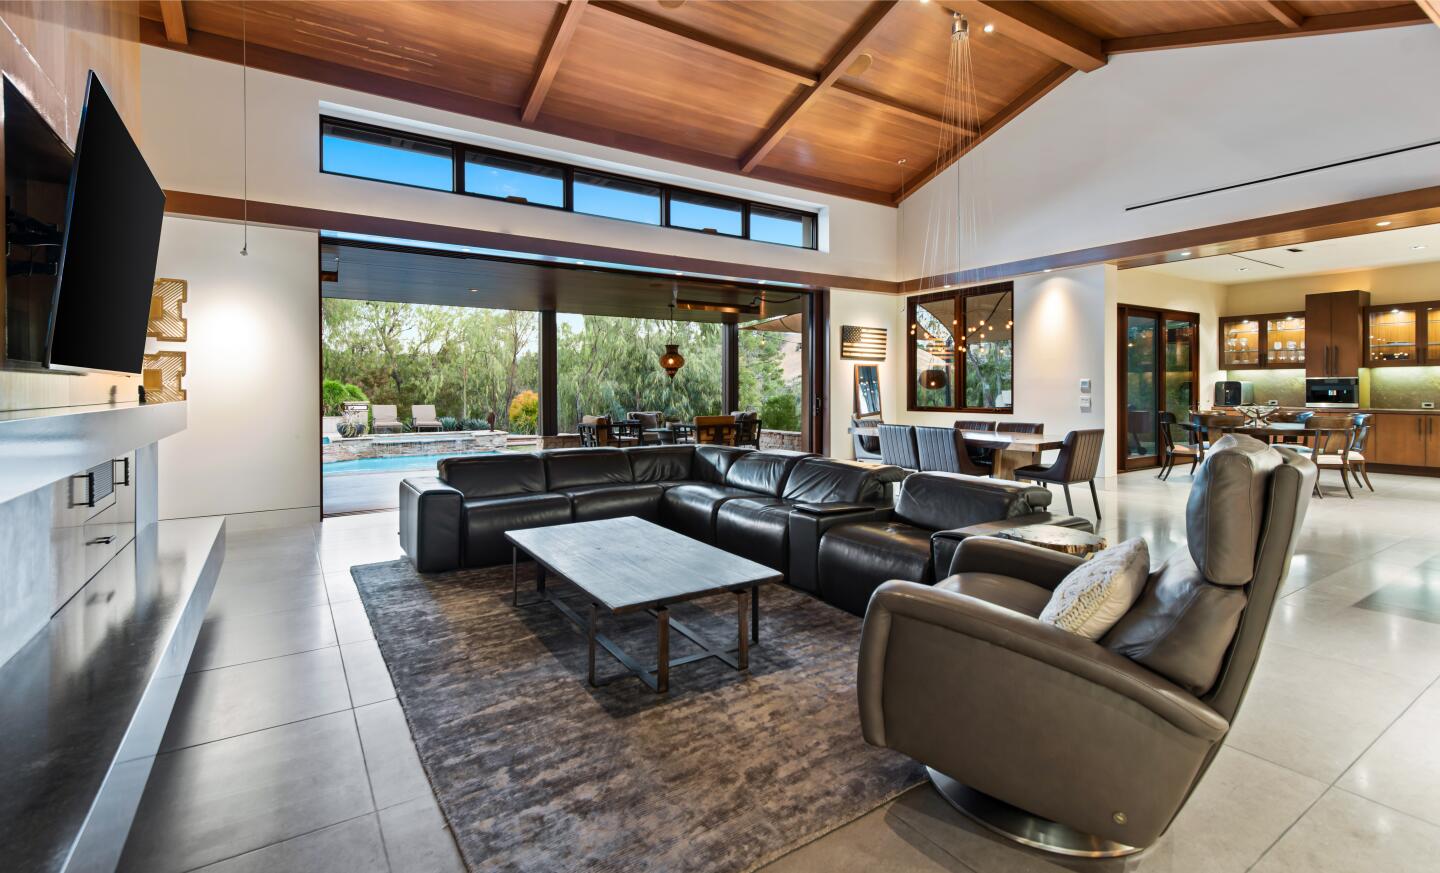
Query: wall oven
{"x": 1333, "y": 392}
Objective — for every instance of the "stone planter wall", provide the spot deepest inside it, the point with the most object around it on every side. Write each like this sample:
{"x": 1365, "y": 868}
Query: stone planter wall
{"x": 780, "y": 439}
{"x": 371, "y": 446}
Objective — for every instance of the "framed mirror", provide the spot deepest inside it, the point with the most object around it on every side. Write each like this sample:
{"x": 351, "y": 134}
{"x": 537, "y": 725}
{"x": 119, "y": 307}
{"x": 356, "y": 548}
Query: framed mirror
{"x": 867, "y": 389}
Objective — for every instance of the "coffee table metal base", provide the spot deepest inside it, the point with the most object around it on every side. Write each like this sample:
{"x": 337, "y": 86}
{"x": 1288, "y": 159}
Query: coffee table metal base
{"x": 747, "y": 606}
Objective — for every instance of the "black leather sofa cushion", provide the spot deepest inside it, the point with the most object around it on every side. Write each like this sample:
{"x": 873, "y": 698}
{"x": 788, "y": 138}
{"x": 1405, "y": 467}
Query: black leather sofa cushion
{"x": 494, "y": 475}
{"x": 690, "y": 508}
{"x": 572, "y": 468}
{"x": 763, "y": 473}
{"x": 711, "y": 463}
{"x": 821, "y": 480}
{"x": 660, "y": 463}
{"x": 487, "y": 519}
{"x": 594, "y": 502}
{"x": 855, "y": 559}
{"x": 757, "y": 528}
{"x": 946, "y": 501}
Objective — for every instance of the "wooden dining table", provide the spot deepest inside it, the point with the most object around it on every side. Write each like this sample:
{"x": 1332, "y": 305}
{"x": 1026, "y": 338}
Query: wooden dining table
{"x": 1012, "y": 450}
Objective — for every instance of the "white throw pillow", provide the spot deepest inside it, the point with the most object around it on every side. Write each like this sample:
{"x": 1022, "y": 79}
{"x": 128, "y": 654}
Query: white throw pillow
{"x": 1097, "y": 593}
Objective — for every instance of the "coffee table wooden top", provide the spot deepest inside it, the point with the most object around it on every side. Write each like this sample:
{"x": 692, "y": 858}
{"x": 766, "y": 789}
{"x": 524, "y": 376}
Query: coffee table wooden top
{"x": 629, "y": 564}
{"x": 1056, "y": 537}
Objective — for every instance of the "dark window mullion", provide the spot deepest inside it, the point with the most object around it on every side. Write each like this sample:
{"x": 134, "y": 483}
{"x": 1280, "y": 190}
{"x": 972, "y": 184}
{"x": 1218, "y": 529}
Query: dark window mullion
{"x": 745, "y": 219}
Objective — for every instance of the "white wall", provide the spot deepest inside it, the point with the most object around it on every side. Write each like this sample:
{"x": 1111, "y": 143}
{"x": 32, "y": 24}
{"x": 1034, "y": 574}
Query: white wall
{"x": 1409, "y": 283}
{"x": 1158, "y": 124}
{"x": 864, "y": 309}
{"x": 253, "y": 374}
{"x": 1143, "y": 287}
{"x": 194, "y": 135}
{"x": 1064, "y": 332}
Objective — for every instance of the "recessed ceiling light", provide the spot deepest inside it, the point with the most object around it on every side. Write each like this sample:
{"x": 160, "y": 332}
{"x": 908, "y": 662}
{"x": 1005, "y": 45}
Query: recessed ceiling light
{"x": 474, "y": 290}
{"x": 1383, "y": 223}
{"x": 1242, "y": 269}
{"x": 989, "y": 28}
{"x": 579, "y": 263}
{"x": 1184, "y": 254}
{"x": 1047, "y": 269}
{"x": 1417, "y": 248}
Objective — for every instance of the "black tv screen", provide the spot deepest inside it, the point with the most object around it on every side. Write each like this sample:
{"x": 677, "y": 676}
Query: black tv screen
{"x": 112, "y": 236}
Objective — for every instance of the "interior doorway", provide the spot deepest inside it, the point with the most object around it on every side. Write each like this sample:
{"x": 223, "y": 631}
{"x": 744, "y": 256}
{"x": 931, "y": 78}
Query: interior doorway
{"x": 1159, "y": 370}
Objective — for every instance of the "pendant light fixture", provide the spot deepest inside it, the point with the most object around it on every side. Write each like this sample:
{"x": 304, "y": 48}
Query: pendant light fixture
{"x": 953, "y": 220}
{"x": 244, "y": 133}
{"x": 671, "y": 360}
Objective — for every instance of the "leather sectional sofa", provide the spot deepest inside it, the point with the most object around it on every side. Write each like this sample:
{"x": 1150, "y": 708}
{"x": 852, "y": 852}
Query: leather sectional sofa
{"x": 831, "y": 526}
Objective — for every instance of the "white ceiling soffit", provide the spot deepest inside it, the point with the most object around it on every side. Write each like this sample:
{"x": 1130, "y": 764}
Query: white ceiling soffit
{"x": 1389, "y": 248}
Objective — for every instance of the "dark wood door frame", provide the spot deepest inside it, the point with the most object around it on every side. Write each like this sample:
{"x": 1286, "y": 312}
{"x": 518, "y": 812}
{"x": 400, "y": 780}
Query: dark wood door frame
{"x": 1122, "y": 315}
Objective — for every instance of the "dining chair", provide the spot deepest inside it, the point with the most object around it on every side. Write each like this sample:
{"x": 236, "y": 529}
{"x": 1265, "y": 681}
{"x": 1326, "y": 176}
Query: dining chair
{"x": 973, "y": 424}
{"x": 715, "y": 429}
{"x": 897, "y": 446}
{"x": 1330, "y": 440}
{"x": 981, "y": 455}
{"x": 1210, "y": 427}
{"x": 1170, "y": 450}
{"x": 1357, "y": 449}
{"x": 867, "y": 448}
{"x": 1020, "y": 427}
{"x": 943, "y": 450}
{"x": 1078, "y": 461}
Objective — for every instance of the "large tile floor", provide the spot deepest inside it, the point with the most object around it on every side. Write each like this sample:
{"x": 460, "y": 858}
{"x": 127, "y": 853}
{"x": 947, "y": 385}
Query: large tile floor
{"x": 289, "y": 752}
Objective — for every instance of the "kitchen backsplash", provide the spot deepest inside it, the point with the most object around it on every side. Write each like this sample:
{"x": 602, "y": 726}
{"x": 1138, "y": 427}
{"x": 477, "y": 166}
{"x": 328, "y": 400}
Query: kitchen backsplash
{"x": 1390, "y": 387}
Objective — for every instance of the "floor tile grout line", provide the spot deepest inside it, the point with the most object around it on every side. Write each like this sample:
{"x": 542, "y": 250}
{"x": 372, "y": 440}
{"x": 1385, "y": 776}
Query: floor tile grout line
{"x": 334, "y": 645}
{"x": 1395, "y": 809}
{"x": 249, "y": 733}
{"x": 287, "y": 839}
{"x": 1334, "y": 784}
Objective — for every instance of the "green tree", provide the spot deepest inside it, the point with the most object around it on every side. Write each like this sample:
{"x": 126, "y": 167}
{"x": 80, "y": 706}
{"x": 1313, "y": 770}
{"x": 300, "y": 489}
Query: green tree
{"x": 524, "y": 412}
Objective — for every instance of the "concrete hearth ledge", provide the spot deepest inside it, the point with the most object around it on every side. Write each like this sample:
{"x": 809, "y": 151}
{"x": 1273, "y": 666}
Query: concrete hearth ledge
{"x": 40, "y": 446}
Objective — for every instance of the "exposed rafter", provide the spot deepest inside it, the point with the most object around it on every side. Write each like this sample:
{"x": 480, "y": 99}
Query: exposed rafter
{"x": 1432, "y": 9}
{"x": 172, "y": 12}
{"x": 567, "y": 20}
{"x": 716, "y": 46}
{"x": 1283, "y": 12}
{"x": 914, "y": 113}
{"x": 833, "y": 70}
{"x": 1033, "y": 26}
{"x": 1315, "y": 25}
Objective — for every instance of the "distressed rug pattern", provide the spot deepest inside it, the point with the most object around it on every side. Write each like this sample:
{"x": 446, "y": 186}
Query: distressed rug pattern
{"x": 537, "y": 771}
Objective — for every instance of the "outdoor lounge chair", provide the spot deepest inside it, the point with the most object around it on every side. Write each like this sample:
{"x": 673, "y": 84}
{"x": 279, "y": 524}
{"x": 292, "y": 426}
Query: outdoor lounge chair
{"x": 387, "y": 420}
{"x": 425, "y": 418}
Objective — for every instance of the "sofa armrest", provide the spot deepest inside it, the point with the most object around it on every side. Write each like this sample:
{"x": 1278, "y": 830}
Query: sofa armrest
{"x": 1033, "y": 564}
{"x": 808, "y": 524}
{"x": 432, "y": 516}
{"x": 1113, "y": 678}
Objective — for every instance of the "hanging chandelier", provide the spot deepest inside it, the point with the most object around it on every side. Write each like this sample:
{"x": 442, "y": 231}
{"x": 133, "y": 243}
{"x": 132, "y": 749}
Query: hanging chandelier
{"x": 671, "y": 360}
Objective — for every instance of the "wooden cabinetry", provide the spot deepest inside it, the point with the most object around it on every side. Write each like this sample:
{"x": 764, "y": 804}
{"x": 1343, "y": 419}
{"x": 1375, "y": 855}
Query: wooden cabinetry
{"x": 1402, "y": 335}
{"x": 1273, "y": 341}
{"x": 1334, "y": 332}
{"x": 1404, "y": 440}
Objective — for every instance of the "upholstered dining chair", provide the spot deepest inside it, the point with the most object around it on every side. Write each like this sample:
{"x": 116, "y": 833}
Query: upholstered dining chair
{"x": 1020, "y": 427}
{"x": 1170, "y": 451}
{"x": 1079, "y": 461}
{"x": 1068, "y": 744}
{"x": 982, "y": 455}
{"x": 897, "y": 446}
{"x": 943, "y": 450}
{"x": 715, "y": 429}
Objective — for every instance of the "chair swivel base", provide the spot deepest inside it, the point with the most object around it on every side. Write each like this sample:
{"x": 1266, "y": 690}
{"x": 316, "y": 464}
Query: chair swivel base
{"x": 1023, "y": 827}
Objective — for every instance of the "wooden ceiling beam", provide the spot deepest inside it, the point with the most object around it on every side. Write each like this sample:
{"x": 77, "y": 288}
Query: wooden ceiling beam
{"x": 913, "y": 113}
{"x": 172, "y": 12}
{"x": 567, "y": 21}
{"x": 719, "y": 47}
{"x": 1315, "y": 25}
{"x": 1282, "y": 12}
{"x": 1032, "y": 26}
{"x": 1432, "y": 9}
{"x": 1039, "y": 88}
{"x": 834, "y": 69}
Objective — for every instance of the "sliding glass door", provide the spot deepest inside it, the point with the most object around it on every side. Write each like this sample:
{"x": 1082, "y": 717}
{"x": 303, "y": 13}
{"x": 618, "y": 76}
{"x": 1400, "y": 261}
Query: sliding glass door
{"x": 1159, "y": 366}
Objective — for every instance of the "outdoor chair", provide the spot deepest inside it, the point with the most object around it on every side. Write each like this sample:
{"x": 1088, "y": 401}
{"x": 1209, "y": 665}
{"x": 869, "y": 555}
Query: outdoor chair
{"x": 747, "y": 428}
{"x": 387, "y": 419}
{"x": 649, "y": 421}
{"x": 594, "y": 431}
{"x": 425, "y": 418}
{"x": 715, "y": 429}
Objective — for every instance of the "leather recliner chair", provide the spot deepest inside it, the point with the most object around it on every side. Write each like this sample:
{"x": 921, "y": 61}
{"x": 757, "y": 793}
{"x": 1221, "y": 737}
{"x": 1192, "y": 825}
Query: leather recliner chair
{"x": 858, "y": 551}
{"x": 1077, "y": 746}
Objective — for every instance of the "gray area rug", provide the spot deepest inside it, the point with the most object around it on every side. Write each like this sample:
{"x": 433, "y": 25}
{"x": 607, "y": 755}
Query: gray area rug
{"x": 537, "y": 771}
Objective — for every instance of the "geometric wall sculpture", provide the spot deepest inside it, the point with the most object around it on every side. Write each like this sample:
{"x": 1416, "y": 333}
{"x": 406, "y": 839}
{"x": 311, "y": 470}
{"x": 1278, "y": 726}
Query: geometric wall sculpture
{"x": 862, "y": 343}
{"x": 167, "y": 319}
{"x": 162, "y": 373}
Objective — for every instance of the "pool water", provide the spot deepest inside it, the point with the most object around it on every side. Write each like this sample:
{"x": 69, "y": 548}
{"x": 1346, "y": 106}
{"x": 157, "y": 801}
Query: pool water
{"x": 393, "y": 463}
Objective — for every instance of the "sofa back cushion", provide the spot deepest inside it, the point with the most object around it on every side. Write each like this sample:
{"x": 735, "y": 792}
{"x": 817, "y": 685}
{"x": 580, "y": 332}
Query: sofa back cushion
{"x": 763, "y": 472}
{"x": 712, "y": 462}
{"x": 944, "y": 501}
{"x": 572, "y": 468}
{"x": 822, "y": 480}
{"x": 1181, "y": 627}
{"x": 660, "y": 463}
{"x": 494, "y": 475}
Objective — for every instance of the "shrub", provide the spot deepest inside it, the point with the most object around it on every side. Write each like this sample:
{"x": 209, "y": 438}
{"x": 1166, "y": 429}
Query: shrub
{"x": 353, "y": 392}
{"x": 780, "y": 412}
{"x": 332, "y": 394}
{"x": 473, "y": 424}
{"x": 449, "y": 422}
{"x": 524, "y": 412}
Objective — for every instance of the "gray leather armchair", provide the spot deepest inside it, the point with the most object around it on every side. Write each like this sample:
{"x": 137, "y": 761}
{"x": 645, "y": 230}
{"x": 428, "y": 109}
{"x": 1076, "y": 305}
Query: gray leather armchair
{"x": 1076, "y": 746}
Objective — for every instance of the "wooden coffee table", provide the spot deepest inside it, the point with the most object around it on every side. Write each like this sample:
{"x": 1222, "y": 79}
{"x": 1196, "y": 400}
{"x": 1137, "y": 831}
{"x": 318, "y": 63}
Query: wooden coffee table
{"x": 1067, "y": 540}
{"x": 627, "y": 565}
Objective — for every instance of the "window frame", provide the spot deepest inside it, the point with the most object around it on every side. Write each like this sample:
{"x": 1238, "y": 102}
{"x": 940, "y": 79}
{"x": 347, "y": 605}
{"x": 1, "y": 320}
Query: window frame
{"x": 958, "y": 296}
{"x": 459, "y": 151}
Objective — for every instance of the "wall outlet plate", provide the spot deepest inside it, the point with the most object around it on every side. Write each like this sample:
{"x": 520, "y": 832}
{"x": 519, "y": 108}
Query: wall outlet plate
{"x": 1084, "y": 403}
{"x": 1084, "y": 386}
{"x": 1273, "y": 403}
{"x": 1427, "y": 404}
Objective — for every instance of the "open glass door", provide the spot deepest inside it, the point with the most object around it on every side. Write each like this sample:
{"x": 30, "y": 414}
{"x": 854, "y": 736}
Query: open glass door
{"x": 1159, "y": 362}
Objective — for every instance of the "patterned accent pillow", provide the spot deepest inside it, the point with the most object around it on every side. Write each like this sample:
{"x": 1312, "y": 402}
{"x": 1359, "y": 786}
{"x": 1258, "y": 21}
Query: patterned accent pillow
{"x": 1096, "y": 594}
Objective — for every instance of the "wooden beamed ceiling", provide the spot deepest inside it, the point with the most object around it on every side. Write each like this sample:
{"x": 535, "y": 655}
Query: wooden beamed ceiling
{"x": 828, "y": 95}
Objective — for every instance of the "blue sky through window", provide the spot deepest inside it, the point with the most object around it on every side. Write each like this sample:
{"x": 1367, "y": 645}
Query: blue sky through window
{"x": 498, "y": 177}
{"x": 777, "y": 227}
{"x": 430, "y": 168}
{"x": 688, "y": 211}
{"x": 615, "y": 198}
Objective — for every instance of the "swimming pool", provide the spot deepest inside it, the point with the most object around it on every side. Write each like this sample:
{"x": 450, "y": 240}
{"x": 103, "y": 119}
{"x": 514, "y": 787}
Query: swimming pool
{"x": 393, "y": 463}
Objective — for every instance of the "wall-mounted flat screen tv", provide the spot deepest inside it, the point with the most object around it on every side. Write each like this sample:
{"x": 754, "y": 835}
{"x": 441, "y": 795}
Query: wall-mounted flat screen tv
{"x": 111, "y": 239}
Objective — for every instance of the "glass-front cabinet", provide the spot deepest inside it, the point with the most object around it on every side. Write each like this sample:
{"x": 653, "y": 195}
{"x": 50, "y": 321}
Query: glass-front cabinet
{"x": 1252, "y": 342}
{"x": 1392, "y": 336}
{"x": 1432, "y": 333}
